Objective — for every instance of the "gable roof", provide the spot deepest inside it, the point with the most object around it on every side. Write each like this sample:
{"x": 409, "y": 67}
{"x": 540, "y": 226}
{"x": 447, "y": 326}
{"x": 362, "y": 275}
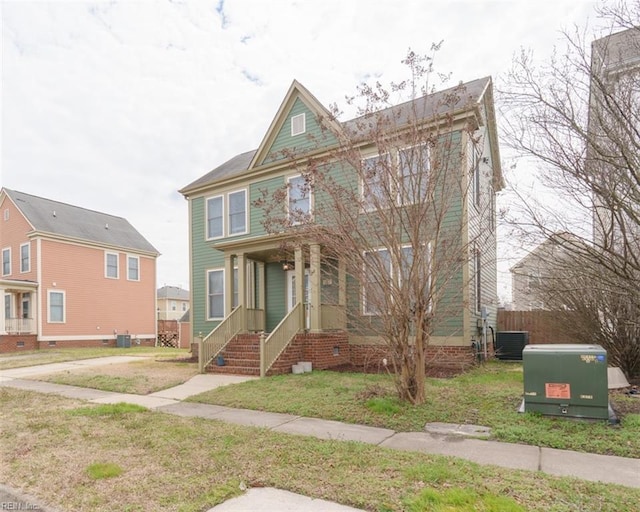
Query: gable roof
{"x": 50, "y": 217}
{"x": 548, "y": 251}
{"x": 172, "y": 292}
{"x": 461, "y": 98}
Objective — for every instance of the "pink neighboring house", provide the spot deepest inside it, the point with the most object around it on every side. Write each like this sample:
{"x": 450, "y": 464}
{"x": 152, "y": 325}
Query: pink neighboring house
{"x": 72, "y": 277}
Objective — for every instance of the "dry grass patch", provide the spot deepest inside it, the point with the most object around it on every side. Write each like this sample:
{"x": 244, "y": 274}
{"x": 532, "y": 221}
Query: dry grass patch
{"x": 137, "y": 377}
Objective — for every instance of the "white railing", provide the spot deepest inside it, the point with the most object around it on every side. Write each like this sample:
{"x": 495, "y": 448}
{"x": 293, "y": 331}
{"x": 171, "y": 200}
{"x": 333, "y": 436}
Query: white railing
{"x": 272, "y": 346}
{"x": 20, "y": 325}
{"x": 217, "y": 339}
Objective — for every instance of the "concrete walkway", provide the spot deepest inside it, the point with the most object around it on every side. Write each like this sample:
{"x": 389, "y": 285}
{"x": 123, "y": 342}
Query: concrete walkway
{"x": 586, "y": 466}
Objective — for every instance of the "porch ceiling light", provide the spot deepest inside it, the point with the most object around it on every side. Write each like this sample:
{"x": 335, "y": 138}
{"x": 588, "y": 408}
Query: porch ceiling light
{"x": 287, "y": 265}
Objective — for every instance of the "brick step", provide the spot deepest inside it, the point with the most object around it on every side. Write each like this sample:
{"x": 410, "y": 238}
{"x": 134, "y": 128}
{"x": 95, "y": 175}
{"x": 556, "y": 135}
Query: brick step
{"x": 233, "y": 370}
{"x": 230, "y": 361}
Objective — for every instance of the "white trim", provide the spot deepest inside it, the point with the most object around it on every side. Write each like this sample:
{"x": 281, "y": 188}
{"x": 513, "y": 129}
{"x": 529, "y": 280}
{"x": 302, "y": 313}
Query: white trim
{"x": 39, "y": 295}
{"x": 302, "y": 128}
{"x": 2, "y": 262}
{"x": 310, "y": 196}
{"x": 106, "y": 264}
{"x": 137, "y": 258}
{"x": 28, "y": 245}
{"x": 206, "y": 217}
{"x": 207, "y": 271}
{"x": 64, "y": 306}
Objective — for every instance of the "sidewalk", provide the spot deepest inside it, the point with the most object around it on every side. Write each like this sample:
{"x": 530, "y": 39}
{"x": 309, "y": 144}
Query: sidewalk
{"x": 586, "y": 466}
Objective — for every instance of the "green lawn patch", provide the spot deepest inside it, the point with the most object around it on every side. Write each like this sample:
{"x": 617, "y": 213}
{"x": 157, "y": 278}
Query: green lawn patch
{"x": 102, "y": 470}
{"x": 107, "y": 410}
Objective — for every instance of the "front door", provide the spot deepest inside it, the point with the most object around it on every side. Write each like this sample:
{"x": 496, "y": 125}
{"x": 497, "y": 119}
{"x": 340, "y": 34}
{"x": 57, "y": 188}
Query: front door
{"x": 291, "y": 292}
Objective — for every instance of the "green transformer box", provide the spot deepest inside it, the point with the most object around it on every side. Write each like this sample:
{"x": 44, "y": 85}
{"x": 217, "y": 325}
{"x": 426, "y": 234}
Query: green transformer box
{"x": 566, "y": 380}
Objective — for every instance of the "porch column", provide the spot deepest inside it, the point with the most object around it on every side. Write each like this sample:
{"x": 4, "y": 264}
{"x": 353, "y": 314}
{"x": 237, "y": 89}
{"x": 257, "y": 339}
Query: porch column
{"x": 2, "y": 324}
{"x": 299, "y": 273}
{"x": 242, "y": 289}
{"x": 315, "y": 320}
{"x": 228, "y": 284}
{"x": 262, "y": 296}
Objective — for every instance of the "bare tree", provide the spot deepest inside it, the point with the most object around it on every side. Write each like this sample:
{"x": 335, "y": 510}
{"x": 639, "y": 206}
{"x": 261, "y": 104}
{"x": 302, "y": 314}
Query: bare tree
{"x": 578, "y": 117}
{"x": 388, "y": 202}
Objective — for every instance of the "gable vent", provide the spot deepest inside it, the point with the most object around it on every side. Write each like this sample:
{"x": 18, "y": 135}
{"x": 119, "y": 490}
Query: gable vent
{"x": 298, "y": 124}
{"x": 6, "y": 214}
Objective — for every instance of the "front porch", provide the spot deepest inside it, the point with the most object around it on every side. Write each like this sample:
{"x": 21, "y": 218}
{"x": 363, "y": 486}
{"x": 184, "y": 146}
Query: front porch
{"x": 277, "y": 298}
{"x": 18, "y": 323}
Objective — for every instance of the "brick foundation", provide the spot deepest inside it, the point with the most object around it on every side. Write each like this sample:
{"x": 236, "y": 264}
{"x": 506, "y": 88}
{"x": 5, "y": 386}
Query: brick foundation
{"x": 324, "y": 350}
{"x": 370, "y": 357}
{"x": 18, "y": 343}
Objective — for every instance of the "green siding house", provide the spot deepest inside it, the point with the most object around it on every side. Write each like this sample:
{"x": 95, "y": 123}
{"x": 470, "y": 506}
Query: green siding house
{"x": 262, "y": 300}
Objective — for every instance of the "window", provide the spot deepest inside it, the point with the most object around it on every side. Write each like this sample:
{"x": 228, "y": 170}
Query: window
{"x": 215, "y": 294}
{"x": 6, "y": 261}
{"x": 174, "y": 305}
{"x": 25, "y": 257}
{"x": 111, "y": 265}
{"x": 475, "y": 172}
{"x": 6, "y": 214}
{"x": 477, "y": 278}
{"x": 299, "y": 202}
{"x": 7, "y": 306}
{"x": 214, "y": 217}
{"x": 413, "y": 173}
{"x": 184, "y": 306}
{"x": 298, "y": 124}
{"x": 133, "y": 268}
{"x": 237, "y": 212}
{"x": 56, "y": 307}
{"x": 375, "y": 171}
{"x": 378, "y": 263}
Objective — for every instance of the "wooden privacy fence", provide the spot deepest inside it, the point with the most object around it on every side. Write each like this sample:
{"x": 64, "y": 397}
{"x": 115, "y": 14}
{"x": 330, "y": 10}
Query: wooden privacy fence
{"x": 543, "y": 326}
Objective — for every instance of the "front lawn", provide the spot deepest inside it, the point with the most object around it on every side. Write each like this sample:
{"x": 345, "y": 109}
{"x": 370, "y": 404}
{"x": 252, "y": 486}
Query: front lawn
{"x": 489, "y": 396}
{"x": 77, "y": 456}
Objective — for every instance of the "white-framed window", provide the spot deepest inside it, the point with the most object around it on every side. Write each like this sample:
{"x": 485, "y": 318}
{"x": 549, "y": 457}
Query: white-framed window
{"x": 184, "y": 306}
{"x": 414, "y": 165}
{"x": 25, "y": 257}
{"x": 374, "y": 291}
{"x": 375, "y": 181}
{"x": 174, "y": 305}
{"x": 56, "y": 313}
{"x": 133, "y": 268}
{"x": 298, "y": 124}
{"x": 215, "y": 294}
{"x": 6, "y": 261}
{"x": 6, "y": 214}
{"x": 111, "y": 265}
{"x": 237, "y": 202}
{"x": 299, "y": 199}
{"x": 215, "y": 216}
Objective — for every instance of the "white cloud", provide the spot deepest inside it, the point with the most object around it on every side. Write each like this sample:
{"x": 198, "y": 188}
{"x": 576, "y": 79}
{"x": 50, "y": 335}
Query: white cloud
{"x": 116, "y": 105}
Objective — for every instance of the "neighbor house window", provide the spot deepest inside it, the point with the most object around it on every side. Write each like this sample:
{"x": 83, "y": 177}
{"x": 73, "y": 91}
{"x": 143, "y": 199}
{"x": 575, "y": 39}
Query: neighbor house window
{"x": 174, "y": 305}
{"x": 25, "y": 257}
{"x": 133, "y": 268}
{"x": 413, "y": 173}
{"x": 299, "y": 201}
{"x": 184, "y": 306}
{"x": 6, "y": 261}
{"x": 111, "y": 265}
{"x": 298, "y": 124}
{"x": 215, "y": 294}
{"x": 377, "y": 271}
{"x": 56, "y": 306}
{"x": 375, "y": 181}
{"x": 215, "y": 217}
{"x": 237, "y": 212}
{"x": 477, "y": 277}
{"x": 6, "y": 214}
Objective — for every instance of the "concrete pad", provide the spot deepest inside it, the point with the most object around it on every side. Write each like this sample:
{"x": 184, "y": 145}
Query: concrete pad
{"x": 149, "y": 402}
{"x": 516, "y": 456}
{"x": 193, "y": 410}
{"x": 199, "y": 384}
{"x": 616, "y": 378}
{"x": 326, "y": 429}
{"x": 267, "y": 499}
{"x": 55, "y": 389}
{"x": 459, "y": 430}
{"x": 590, "y": 466}
{"x": 254, "y": 418}
{"x": 28, "y": 371}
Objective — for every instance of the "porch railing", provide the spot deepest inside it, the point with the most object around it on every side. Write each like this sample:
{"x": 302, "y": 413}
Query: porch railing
{"x": 255, "y": 320}
{"x": 272, "y": 346}
{"x": 212, "y": 344}
{"x": 20, "y": 325}
{"x": 333, "y": 316}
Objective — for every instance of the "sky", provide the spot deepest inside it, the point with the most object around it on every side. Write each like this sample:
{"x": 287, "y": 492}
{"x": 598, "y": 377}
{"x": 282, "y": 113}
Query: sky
{"x": 116, "y": 105}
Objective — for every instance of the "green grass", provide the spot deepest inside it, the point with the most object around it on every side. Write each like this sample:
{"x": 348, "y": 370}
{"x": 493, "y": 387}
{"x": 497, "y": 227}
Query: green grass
{"x": 59, "y": 355}
{"x": 102, "y": 470}
{"x": 107, "y": 410}
{"x": 489, "y": 396}
{"x": 191, "y": 464}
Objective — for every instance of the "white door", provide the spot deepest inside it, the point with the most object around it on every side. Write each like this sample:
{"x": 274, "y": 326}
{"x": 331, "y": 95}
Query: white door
{"x": 291, "y": 292}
